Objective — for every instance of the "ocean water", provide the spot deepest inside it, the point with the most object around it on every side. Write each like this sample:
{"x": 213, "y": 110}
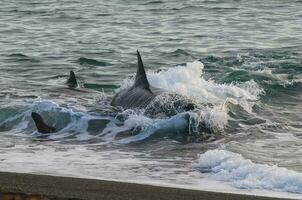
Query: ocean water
{"x": 241, "y": 60}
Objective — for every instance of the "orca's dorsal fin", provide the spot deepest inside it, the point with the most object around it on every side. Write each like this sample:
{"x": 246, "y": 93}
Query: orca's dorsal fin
{"x": 72, "y": 80}
{"x": 141, "y": 78}
{"x": 42, "y": 127}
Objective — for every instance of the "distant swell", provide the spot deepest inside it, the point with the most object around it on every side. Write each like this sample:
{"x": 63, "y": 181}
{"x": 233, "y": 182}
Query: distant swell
{"x": 21, "y": 57}
{"x": 153, "y": 2}
{"x": 88, "y": 61}
{"x": 178, "y": 53}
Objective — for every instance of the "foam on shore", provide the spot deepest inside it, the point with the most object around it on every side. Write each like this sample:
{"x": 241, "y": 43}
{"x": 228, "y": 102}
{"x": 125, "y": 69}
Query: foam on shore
{"x": 243, "y": 173}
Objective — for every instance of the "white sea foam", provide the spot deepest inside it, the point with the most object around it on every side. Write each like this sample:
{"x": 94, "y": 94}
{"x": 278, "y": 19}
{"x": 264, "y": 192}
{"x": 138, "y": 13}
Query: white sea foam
{"x": 243, "y": 173}
{"x": 188, "y": 80}
{"x": 214, "y": 119}
{"x": 81, "y": 161}
{"x": 150, "y": 126}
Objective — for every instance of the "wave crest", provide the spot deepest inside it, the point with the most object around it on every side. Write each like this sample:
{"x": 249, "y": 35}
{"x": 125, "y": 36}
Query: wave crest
{"x": 243, "y": 173}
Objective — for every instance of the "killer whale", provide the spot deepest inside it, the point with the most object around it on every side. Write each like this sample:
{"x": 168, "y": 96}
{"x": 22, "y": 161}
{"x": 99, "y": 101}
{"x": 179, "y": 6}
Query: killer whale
{"x": 72, "y": 80}
{"x": 141, "y": 93}
{"x": 179, "y": 124}
{"x": 71, "y": 87}
{"x": 42, "y": 127}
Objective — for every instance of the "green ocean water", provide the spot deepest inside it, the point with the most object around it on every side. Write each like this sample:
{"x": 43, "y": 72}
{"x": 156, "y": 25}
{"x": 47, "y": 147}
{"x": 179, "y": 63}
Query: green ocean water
{"x": 252, "y": 74}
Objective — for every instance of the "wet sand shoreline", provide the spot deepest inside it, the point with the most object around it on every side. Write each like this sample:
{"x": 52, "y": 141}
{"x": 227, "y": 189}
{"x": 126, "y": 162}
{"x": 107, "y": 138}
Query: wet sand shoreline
{"x": 60, "y": 188}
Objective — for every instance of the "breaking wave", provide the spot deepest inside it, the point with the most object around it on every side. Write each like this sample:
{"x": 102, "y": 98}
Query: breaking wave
{"x": 212, "y": 115}
{"x": 189, "y": 81}
{"x": 243, "y": 173}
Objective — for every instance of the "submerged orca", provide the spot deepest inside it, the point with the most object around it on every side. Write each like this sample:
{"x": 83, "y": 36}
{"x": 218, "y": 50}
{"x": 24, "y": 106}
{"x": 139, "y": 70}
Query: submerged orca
{"x": 71, "y": 87}
{"x": 42, "y": 127}
{"x": 141, "y": 94}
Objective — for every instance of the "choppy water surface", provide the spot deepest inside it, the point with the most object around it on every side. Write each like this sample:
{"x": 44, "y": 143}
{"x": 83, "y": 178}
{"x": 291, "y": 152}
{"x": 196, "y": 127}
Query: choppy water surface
{"x": 244, "y": 58}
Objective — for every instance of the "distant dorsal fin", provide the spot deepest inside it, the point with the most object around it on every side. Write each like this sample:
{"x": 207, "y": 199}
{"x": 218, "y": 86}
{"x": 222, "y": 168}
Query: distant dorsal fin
{"x": 72, "y": 80}
{"x": 141, "y": 78}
